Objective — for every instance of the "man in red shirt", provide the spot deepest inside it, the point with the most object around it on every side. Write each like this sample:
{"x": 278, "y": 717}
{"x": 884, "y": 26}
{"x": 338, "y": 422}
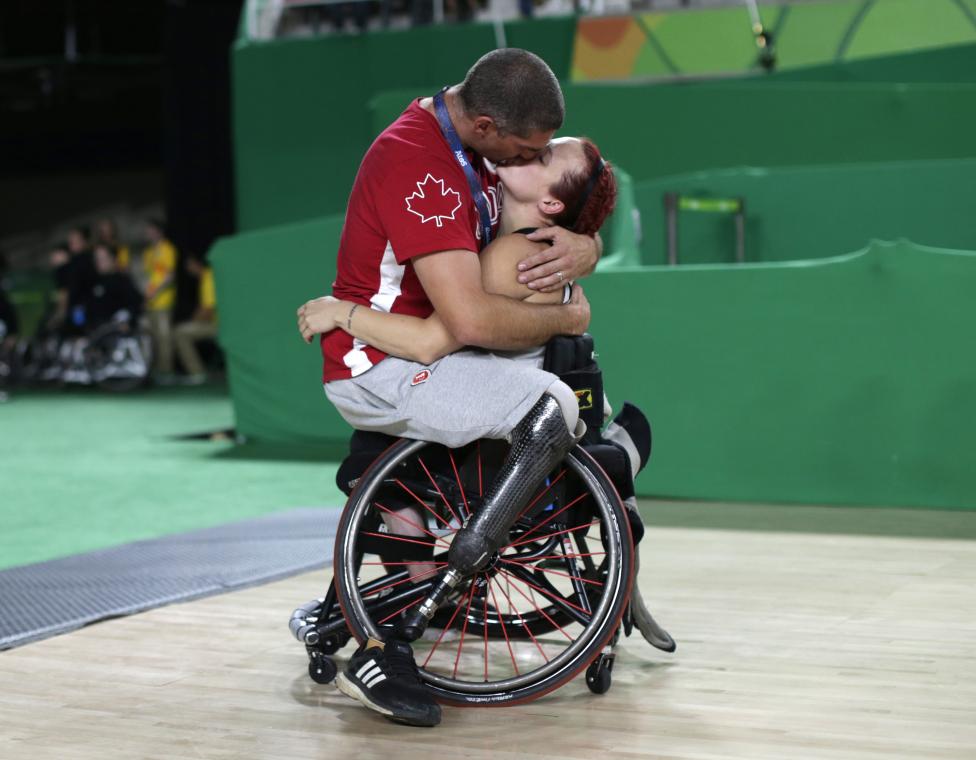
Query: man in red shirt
{"x": 423, "y": 205}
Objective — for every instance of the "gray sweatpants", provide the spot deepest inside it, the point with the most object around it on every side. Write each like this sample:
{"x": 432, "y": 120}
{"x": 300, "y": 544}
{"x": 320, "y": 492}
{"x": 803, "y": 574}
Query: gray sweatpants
{"x": 465, "y": 396}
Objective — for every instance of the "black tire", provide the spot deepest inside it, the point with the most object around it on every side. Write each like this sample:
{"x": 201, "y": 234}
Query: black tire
{"x": 599, "y": 675}
{"x": 583, "y": 590}
{"x": 322, "y": 669}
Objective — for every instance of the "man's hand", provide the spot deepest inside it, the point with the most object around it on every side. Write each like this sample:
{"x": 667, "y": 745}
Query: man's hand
{"x": 570, "y": 257}
{"x": 320, "y": 315}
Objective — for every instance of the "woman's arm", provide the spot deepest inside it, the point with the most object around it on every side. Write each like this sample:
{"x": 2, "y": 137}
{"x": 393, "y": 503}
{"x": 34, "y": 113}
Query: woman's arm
{"x": 423, "y": 340}
{"x": 419, "y": 340}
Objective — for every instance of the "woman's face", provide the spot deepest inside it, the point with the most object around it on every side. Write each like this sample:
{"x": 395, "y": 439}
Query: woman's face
{"x": 530, "y": 183}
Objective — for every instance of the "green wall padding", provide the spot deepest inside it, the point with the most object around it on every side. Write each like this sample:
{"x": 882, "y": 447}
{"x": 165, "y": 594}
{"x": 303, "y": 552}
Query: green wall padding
{"x": 809, "y": 212}
{"x": 275, "y": 378}
{"x": 303, "y": 116}
{"x": 956, "y": 63}
{"x": 663, "y": 130}
{"x": 839, "y": 381}
{"x": 301, "y": 122}
{"x": 674, "y": 129}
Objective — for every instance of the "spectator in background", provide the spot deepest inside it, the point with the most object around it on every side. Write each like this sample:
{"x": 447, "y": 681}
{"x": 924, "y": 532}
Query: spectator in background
{"x": 159, "y": 269}
{"x": 59, "y": 261}
{"x": 106, "y": 232}
{"x": 9, "y": 329}
{"x": 9, "y": 324}
{"x": 114, "y": 296}
{"x": 77, "y": 280}
{"x": 202, "y": 326}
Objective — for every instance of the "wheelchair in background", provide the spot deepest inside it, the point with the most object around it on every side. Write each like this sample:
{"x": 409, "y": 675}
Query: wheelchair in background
{"x": 550, "y": 605}
{"x": 115, "y": 356}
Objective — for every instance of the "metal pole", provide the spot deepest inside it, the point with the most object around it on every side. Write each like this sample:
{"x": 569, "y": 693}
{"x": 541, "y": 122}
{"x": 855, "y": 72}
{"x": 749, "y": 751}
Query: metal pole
{"x": 740, "y": 232}
{"x": 671, "y": 212}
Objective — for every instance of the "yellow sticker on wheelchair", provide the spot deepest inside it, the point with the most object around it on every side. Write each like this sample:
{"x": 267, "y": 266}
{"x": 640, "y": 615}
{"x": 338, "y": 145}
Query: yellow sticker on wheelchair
{"x": 584, "y": 397}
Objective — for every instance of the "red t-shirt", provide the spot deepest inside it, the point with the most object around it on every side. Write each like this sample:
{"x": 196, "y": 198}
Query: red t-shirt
{"x": 410, "y": 198}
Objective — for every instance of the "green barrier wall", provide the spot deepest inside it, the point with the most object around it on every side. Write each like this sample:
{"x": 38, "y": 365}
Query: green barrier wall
{"x": 666, "y": 130}
{"x": 811, "y": 212}
{"x": 302, "y": 116}
{"x": 275, "y": 378}
{"x": 301, "y": 122}
{"x": 843, "y": 381}
{"x": 956, "y": 63}
{"x": 663, "y": 130}
{"x": 846, "y": 380}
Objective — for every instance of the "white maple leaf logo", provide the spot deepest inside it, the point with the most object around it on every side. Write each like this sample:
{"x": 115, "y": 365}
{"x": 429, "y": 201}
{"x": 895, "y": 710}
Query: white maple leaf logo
{"x": 433, "y": 202}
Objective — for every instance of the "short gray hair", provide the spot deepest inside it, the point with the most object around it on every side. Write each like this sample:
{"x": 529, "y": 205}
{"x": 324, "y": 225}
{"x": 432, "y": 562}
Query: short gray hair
{"x": 517, "y": 89}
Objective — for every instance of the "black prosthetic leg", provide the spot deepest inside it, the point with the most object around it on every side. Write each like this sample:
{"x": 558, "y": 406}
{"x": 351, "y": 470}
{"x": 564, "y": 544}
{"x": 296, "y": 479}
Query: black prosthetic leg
{"x": 539, "y": 443}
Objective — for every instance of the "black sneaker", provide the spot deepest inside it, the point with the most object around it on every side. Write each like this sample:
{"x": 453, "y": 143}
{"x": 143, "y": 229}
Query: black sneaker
{"x": 385, "y": 679}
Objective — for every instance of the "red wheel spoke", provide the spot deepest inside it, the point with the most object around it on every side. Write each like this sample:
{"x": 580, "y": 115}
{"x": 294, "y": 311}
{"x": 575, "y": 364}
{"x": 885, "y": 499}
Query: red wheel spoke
{"x": 410, "y": 562}
{"x": 534, "y": 558}
{"x": 464, "y": 628}
{"x": 542, "y": 611}
{"x": 501, "y": 619}
{"x": 395, "y": 537}
{"x": 460, "y": 484}
{"x": 542, "y": 493}
{"x": 408, "y": 521}
{"x": 484, "y": 628}
{"x": 556, "y": 572}
{"x": 438, "y": 488}
{"x": 405, "y": 580}
{"x": 423, "y": 503}
{"x": 548, "y": 594}
{"x": 554, "y": 533}
{"x": 403, "y": 609}
{"x": 481, "y": 490}
{"x": 524, "y": 625}
{"x": 553, "y": 516}
{"x": 444, "y": 630}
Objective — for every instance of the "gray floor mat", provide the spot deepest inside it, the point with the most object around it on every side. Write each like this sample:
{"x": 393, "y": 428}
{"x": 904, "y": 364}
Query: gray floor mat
{"x": 48, "y": 598}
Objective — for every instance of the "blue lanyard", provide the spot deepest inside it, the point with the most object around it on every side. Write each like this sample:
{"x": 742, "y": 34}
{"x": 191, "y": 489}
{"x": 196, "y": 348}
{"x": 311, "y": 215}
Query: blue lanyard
{"x": 474, "y": 183}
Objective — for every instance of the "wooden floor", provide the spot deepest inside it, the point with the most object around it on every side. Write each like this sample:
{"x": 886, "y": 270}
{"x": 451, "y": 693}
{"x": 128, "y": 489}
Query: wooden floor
{"x": 790, "y": 646}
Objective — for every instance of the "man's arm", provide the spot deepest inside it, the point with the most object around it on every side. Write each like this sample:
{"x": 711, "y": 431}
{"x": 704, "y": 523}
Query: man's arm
{"x": 452, "y": 281}
{"x": 572, "y": 255}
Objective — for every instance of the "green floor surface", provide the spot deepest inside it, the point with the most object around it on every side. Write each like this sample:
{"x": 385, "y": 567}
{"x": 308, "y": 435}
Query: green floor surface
{"x": 82, "y": 470}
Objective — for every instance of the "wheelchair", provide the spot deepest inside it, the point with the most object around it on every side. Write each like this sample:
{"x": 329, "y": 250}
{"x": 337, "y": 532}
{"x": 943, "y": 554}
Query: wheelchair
{"x": 114, "y": 356}
{"x": 550, "y": 605}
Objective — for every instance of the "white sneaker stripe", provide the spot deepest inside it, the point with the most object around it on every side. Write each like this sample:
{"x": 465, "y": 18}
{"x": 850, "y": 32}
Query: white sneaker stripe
{"x": 362, "y": 673}
{"x": 375, "y": 680}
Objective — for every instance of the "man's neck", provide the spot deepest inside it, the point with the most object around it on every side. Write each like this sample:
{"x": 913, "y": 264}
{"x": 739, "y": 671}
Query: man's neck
{"x": 462, "y": 125}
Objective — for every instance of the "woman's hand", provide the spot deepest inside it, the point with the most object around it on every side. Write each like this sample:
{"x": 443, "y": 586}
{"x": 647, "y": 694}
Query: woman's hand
{"x": 580, "y": 307}
{"x": 321, "y": 315}
{"x": 570, "y": 257}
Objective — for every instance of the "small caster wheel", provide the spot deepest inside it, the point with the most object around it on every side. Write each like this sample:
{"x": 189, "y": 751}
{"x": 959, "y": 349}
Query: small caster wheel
{"x": 332, "y": 644}
{"x": 598, "y": 677}
{"x": 322, "y": 669}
